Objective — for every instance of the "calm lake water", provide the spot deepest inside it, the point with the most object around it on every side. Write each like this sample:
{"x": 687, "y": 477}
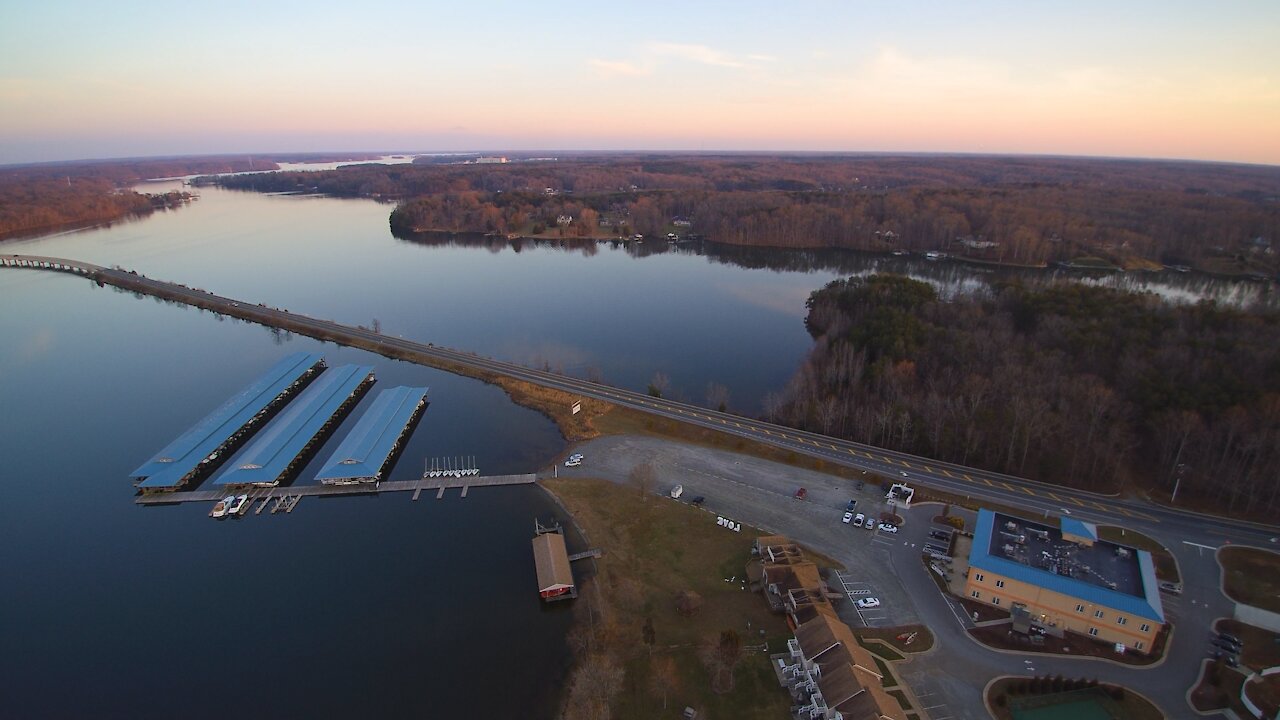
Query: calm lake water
{"x": 379, "y": 606}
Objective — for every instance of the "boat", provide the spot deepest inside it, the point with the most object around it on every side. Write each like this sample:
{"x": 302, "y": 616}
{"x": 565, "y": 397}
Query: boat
{"x": 220, "y": 508}
{"x": 676, "y": 491}
{"x": 238, "y": 505}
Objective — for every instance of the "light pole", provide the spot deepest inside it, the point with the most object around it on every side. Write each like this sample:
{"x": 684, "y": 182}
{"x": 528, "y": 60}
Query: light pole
{"x": 1180, "y": 470}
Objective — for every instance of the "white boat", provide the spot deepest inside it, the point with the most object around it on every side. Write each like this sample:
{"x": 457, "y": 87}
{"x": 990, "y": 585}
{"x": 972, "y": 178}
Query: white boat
{"x": 238, "y": 505}
{"x": 221, "y": 507}
{"x": 676, "y": 491}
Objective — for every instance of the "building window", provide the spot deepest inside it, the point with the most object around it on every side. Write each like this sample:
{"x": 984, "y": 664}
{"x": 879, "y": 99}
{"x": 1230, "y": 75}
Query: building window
{"x": 1122, "y": 620}
{"x": 995, "y": 601}
{"x": 1146, "y": 627}
{"x": 999, "y": 583}
{"x": 977, "y": 577}
{"x": 1137, "y": 645}
{"x": 976, "y": 594}
{"x": 1079, "y": 608}
{"x": 1097, "y": 613}
{"x": 1093, "y": 632}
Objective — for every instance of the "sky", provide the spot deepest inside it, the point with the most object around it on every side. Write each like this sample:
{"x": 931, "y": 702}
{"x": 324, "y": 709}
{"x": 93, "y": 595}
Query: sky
{"x": 1171, "y": 79}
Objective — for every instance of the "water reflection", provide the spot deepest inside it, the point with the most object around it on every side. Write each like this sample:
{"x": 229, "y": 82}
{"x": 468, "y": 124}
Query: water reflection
{"x": 951, "y": 278}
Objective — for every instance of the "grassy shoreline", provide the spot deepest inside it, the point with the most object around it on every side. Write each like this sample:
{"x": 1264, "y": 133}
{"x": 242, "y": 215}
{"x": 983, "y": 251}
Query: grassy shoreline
{"x": 636, "y": 655}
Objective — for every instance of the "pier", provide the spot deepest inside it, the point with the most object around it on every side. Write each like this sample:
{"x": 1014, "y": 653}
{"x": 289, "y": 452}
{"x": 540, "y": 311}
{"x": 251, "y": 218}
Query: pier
{"x": 270, "y": 494}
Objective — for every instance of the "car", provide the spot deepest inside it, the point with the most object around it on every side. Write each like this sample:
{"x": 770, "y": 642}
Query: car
{"x": 1231, "y": 639}
{"x": 801, "y": 494}
{"x": 1225, "y": 657}
{"x": 888, "y": 527}
{"x": 903, "y": 473}
{"x": 851, "y": 505}
{"x": 871, "y": 524}
{"x": 848, "y": 518}
{"x": 860, "y": 483}
{"x": 576, "y": 456}
{"x": 572, "y": 463}
{"x": 939, "y": 535}
{"x": 867, "y": 603}
{"x": 698, "y": 500}
{"x": 858, "y": 519}
{"x": 1226, "y": 645}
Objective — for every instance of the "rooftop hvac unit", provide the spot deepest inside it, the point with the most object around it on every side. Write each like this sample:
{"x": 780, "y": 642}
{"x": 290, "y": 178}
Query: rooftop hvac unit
{"x": 1008, "y": 550}
{"x": 1123, "y": 552}
{"x": 1042, "y": 534}
{"x": 1011, "y": 526}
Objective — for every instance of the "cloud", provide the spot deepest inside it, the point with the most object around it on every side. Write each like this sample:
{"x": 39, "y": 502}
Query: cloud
{"x": 762, "y": 58}
{"x": 696, "y": 53}
{"x": 610, "y": 68}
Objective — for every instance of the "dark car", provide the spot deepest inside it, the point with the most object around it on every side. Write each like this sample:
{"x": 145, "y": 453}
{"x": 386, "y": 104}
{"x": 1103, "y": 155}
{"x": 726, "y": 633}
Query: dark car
{"x": 698, "y": 500}
{"x": 1225, "y": 657}
{"x": 1226, "y": 645}
{"x": 851, "y": 505}
{"x": 1230, "y": 638}
{"x": 939, "y": 535}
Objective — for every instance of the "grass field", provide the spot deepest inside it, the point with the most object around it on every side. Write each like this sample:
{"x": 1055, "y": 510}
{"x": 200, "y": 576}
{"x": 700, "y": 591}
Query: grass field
{"x": 653, "y": 550}
{"x": 1252, "y": 576}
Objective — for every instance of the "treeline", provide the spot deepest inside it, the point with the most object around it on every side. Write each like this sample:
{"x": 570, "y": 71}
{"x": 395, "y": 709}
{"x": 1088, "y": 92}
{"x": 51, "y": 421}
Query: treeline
{"x": 1080, "y": 386}
{"x": 1027, "y": 211}
{"x": 34, "y": 198}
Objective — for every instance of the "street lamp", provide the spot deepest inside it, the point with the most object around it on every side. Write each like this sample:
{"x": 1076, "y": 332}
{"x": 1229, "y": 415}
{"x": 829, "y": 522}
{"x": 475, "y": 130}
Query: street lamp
{"x": 1180, "y": 471}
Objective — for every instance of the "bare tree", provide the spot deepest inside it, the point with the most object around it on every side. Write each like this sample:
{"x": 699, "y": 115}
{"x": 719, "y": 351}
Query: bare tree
{"x": 717, "y": 396}
{"x": 659, "y": 385}
{"x": 772, "y": 406}
{"x": 643, "y": 478}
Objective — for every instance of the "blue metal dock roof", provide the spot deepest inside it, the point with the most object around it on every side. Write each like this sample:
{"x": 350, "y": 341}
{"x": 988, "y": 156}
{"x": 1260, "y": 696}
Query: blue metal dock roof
{"x": 1079, "y": 528}
{"x": 370, "y": 443}
{"x": 287, "y": 436}
{"x": 1145, "y": 604}
{"x": 169, "y": 467}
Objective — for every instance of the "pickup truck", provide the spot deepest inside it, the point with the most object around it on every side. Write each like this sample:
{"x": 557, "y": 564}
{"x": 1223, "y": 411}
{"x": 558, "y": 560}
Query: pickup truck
{"x": 801, "y": 494}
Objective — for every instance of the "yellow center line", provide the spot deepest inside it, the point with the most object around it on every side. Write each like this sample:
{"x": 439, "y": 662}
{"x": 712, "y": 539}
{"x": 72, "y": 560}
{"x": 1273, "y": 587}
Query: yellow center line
{"x": 928, "y": 469}
{"x": 947, "y": 473}
{"x": 906, "y": 464}
{"x": 887, "y": 459}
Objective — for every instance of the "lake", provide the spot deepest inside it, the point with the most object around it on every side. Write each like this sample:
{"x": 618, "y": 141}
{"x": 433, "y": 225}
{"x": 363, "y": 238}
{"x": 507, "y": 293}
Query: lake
{"x": 375, "y": 606}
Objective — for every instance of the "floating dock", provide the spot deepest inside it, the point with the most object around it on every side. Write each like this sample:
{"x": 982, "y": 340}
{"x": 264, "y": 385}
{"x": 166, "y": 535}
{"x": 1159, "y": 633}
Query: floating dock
{"x": 414, "y": 486}
{"x": 285, "y": 442}
{"x": 213, "y": 439}
{"x": 372, "y": 445}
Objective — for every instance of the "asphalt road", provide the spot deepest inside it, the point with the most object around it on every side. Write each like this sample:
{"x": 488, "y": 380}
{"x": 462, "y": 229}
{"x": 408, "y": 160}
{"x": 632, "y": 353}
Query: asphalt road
{"x": 948, "y": 680}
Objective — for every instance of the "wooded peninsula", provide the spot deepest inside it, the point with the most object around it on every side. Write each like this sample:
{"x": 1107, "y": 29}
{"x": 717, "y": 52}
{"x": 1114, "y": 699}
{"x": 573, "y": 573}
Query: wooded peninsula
{"x": 1031, "y": 211}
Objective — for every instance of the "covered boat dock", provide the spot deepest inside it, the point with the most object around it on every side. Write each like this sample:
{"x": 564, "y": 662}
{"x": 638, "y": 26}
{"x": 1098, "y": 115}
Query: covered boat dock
{"x": 277, "y": 451}
{"x": 372, "y": 444}
{"x": 213, "y": 439}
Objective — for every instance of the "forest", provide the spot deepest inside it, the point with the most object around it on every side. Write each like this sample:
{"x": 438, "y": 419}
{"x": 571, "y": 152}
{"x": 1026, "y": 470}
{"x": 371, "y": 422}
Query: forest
{"x": 1081, "y": 386}
{"x": 1012, "y": 210}
{"x": 36, "y": 198}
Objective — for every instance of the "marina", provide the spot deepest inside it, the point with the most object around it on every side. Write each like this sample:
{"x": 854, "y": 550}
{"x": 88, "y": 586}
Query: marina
{"x": 277, "y": 451}
{"x": 389, "y": 486}
{"x": 372, "y": 445}
{"x": 212, "y": 440}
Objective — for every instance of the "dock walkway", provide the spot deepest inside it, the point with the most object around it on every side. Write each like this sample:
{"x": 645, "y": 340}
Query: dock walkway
{"x": 440, "y": 484}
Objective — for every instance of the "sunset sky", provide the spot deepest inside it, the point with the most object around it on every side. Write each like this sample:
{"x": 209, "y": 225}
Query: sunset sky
{"x": 1151, "y": 79}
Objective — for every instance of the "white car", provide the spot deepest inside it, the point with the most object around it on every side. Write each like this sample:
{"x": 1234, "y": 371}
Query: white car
{"x": 576, "y": 456}
{"x": 867, "y": 603}
{"x": 903, "y": 473}
{"x": 858, "y": 519}
{"x": 889, "y": 528}
{"x": 848, "y": 518}
{"x": 572, "y": 463}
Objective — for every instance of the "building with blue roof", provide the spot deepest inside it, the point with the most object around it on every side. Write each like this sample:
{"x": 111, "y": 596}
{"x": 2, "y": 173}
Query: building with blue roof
{"x": 203, "y": 447}
{"x": 1066, "y": 578}
{"x": 284, "y": 443}
{"x": 370, "y": 447}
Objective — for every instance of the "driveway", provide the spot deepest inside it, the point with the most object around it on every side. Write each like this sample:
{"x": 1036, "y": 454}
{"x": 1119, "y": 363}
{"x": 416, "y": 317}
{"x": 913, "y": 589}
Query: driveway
{"x": 948, "y": 680}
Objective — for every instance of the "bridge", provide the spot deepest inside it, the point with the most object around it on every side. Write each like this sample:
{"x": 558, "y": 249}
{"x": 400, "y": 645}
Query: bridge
{"x": 945, "y": 476}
